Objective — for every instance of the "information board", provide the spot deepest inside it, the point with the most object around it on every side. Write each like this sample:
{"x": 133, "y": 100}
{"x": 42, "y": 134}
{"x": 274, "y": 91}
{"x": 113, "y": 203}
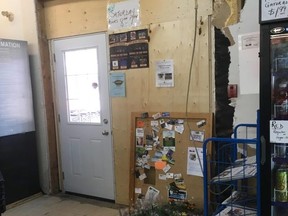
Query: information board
{"x": 16, "y": 104}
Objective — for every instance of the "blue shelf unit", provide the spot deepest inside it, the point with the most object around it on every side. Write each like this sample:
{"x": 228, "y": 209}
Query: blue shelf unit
{"x": 232, "y": 173}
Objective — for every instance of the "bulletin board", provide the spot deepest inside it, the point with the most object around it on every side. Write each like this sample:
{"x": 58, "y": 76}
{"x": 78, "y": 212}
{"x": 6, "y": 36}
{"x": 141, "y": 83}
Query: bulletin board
{"x": 166, "y": 151}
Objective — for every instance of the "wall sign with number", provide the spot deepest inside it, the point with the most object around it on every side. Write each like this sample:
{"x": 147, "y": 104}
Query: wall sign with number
{"x": 274, "y": 10}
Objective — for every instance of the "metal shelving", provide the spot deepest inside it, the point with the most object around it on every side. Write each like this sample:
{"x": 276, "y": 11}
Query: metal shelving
{"x": 232, "y": 175}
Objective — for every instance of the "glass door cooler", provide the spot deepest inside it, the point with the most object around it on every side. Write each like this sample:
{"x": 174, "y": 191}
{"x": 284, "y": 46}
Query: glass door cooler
{"x": 274, "y": 106}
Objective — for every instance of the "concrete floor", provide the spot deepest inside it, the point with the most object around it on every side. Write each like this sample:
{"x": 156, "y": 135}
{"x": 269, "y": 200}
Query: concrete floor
{"x": 62, "y": 205}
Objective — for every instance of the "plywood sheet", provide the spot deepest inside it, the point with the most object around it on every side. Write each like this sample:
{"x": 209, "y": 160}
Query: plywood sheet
{"x": 73, "y": 17}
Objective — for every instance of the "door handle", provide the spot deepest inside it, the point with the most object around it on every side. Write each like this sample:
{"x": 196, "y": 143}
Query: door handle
{"x": 105, "y": 133}
{"x": 263, "y": 150}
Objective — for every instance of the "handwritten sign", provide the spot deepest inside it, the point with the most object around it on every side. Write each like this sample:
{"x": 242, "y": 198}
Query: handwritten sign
{"x": 278, "y": 131}
{"x": 123, "y": 14}
{"x": 274, "y": 9}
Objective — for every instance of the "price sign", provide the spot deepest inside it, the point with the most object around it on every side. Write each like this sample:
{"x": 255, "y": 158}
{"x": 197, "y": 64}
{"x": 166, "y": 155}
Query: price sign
{"x": 274, "y": 10}
{"x": 278, "y": 131}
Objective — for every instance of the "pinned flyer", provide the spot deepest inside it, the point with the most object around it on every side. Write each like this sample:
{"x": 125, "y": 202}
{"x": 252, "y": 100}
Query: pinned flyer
{"x": 197, "y": 136}
{"x": 162, "y": 177}
{"x": 157, "y": 116}
{"x": 151, "y": 194}
{"x": 166, "y": 168}
{"x": 142, "y": 177}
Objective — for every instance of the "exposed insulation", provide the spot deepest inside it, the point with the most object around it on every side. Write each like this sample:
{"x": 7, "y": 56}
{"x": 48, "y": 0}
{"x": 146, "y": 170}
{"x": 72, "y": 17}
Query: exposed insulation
{"x": 226, "y": 13}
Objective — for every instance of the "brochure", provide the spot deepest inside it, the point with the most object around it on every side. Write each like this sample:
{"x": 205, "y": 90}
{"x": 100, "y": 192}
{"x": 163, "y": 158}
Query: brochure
{"x": 237, "y": 211}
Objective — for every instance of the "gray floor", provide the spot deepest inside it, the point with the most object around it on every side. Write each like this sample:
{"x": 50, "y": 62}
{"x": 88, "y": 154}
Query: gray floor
{"x": 62, "y": 205}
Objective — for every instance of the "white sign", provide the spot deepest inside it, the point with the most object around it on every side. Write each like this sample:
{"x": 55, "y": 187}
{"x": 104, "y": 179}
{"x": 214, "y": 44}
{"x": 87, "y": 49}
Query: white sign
{"x": 273, "y": 9}
{"x": 124, "y": 14}
{"x": 278, "y": 131}
{"x": 195, "y": 161}
{"x": 165, "y": 73}
{"x": 249, "y": 63}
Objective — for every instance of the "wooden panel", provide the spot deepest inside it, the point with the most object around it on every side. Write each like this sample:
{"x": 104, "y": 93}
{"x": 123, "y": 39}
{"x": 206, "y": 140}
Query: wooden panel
{"x": 194, "y": 184}
{"x": 73, "y": 17}
{"x": 172, "y": 35}
{"x": 49, "y": 103}
{"x": 79, "y": 17}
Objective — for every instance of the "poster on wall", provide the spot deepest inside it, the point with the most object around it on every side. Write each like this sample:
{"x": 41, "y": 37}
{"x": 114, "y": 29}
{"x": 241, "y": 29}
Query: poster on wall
{"x": 249, "y": 62}
{"x": 165, "y": 73}
{"x": 117, "y": 85}
{"x": 195, "y": 161}
{"x": 129, "y": 50}
{"x": 125, "y": 14}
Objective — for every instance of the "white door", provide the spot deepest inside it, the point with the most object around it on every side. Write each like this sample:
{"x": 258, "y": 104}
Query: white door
{"x": 81, "y": 83}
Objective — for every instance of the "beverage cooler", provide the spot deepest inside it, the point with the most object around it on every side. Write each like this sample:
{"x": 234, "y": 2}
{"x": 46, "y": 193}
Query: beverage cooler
{"x": 274, "y": 106}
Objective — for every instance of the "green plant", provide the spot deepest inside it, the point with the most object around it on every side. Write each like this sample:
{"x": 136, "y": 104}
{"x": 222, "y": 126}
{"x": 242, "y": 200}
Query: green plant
{"x": 168, "y": 209}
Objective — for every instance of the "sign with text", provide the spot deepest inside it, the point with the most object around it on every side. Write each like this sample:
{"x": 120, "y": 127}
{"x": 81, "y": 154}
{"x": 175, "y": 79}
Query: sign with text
{"x": 278, "y": 131}
{"x": 129, "y": 50}
{"x": 274, "y": 9}
{"x": 124, "y": 14}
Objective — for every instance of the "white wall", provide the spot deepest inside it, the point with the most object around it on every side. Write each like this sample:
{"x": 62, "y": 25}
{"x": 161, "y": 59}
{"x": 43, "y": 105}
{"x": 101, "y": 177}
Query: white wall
{"x": 246, "y": 104}
{"x": 24, "y": 28}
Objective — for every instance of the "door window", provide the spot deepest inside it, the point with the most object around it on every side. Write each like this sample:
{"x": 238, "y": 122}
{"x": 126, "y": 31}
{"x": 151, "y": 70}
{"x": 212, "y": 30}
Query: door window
{"x": 82, "y": 90}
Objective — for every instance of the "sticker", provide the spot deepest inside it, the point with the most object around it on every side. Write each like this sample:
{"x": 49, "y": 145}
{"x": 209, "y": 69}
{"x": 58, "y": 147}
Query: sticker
{"x": 197, "y": 136}
{"x": 165, "y": 114}
{"x": 144, "y": 115}
{"x": 201, "y": 123}
{"x": 160, "y": 165}
{"x": 177, "y": 194}
{"x": 166, "y": 168}
{"x": 162, "y": 123}
{"x": 142, "y": 177}
{"x": 169, "y": 140}
{"x": 162, "y": 177}
{"x": 179, "y": 121}
{"x": 140, "y": 124}
{"x": 169, "y": 154}
{"x": 169, "y": 126}
{"x": 139, "y": 132}
{"x": 154, "y": 123}
{"x": 169, "y": 175}
{"x": 179, "y": 128}
{"x": 138, "y": 190}
{"x": 156, "y": 129}
{"x": 139, "y": 142}
{"x": 156, "y": 116}
{"x": 178, "y": 176}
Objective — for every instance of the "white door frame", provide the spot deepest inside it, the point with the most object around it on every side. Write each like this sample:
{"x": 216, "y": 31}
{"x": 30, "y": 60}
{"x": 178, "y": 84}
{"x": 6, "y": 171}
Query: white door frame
{"x": 54, "y": 92}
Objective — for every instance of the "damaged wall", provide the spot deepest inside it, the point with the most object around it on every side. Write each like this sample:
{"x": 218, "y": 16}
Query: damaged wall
{"x": 239, "y": 17}
{"x": 246, "y": 104}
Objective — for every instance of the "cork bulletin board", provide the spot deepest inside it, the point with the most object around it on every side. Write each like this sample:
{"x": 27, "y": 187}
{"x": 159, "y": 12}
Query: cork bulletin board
{"x": 166, "y": 154}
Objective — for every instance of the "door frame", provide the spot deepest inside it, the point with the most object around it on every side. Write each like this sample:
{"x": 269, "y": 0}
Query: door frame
{"x": 54, "y": 96}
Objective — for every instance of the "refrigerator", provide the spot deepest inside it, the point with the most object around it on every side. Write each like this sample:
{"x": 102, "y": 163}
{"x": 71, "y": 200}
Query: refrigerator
{"x": 273, "y": 93}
